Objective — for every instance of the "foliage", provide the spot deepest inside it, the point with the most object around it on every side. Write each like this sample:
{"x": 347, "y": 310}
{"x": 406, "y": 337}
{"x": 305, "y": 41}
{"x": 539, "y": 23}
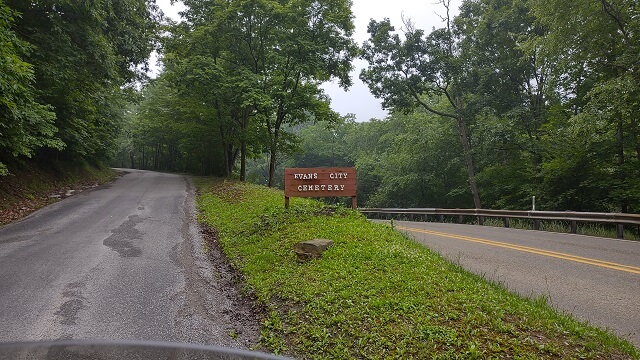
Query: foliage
{"x": 597, "y": 50}
{"x": 73, "y": 66}
{"x": 374, "y": 293}
{"x": 544, "y": 96}
{"x": 244, "y": 71}
{"x": 507, "y": 100}
{"x": 426, "y": 71}
{"x": 25, "y": 124}
{"x": 408, "y": 161}
{"x": 324, "y": 144}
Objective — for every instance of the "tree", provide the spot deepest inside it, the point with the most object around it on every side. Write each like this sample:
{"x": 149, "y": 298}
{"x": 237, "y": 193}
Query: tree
{"x": 269, "y": 59}
{"x": 324, "y": 144}
{"x": 407, "y": 160}
{"x": 25, "y": 124}
{"x": 418, "y": 71}
{"x": 202, "y": 61}
{"x": 509, "y": 82}
{"x": 85, "y": 55}
{"x": 310, "y": 42}
{"x": 596, "y": 47}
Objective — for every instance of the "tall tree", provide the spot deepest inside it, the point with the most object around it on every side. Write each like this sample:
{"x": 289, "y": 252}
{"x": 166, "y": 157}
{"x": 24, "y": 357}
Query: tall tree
{"x": 310, "y": 43}
{"x": 274, "y": 55}
{"x": 84, "y": 54}
{"x": 202, "y": 60}
{"x": 596, "y": 46}
{"x": 412, "y": 72}
{"x": 509, "y": 80}
{"x": 25, "y": 125}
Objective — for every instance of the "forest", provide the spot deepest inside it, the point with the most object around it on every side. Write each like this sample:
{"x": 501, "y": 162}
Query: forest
{"x": 507, "y": 100}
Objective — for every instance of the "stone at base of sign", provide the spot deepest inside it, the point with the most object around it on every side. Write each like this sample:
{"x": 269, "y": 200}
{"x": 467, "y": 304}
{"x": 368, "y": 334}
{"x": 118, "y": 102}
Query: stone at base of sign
{"x": 311, "y": 249}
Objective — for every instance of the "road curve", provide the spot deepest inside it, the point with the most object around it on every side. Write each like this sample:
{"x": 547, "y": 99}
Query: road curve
{"x": 121, "y": 262}
{"x": 595, "y": 279}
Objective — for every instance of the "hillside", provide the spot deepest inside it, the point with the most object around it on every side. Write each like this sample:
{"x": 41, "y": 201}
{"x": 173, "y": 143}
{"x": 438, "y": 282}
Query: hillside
{"x": 31, "y": 186}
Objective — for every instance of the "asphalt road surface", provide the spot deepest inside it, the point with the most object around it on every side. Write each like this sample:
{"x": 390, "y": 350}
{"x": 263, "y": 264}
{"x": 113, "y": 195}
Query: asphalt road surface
{"x": 121, "y": 262}
{"x": 595, "y": 279}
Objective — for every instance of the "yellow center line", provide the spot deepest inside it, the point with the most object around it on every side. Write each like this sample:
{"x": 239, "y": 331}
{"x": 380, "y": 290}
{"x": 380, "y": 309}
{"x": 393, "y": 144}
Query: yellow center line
{"x": 558, "y": 255}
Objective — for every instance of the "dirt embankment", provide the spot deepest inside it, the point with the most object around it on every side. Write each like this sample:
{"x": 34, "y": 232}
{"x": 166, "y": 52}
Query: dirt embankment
{"x": 30, "y": 187}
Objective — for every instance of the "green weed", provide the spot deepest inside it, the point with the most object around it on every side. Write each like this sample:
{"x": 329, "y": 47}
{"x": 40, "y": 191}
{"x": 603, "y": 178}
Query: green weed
{"x": 376, "y": 294}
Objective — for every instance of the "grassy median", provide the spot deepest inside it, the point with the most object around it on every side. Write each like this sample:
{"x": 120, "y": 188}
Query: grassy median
{"x": 375, "y": 294}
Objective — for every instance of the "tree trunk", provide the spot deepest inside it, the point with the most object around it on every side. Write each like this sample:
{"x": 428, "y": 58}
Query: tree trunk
{"x": 624, "y": 203}
{"x": 243, "y": 161}
{"x": 468, "y": 158}
{"x": 635, "y": 136}
{"x": 246, "y": 113}
{"x": 272, "y": 157}
{"x": 156, "y": 159}
{"x": 233, "y": 155}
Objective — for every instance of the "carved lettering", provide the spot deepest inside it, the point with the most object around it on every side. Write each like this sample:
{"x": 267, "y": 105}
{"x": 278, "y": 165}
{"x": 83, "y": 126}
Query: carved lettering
{"x": 310, "y": 176}
{"x": 323, "y": 187}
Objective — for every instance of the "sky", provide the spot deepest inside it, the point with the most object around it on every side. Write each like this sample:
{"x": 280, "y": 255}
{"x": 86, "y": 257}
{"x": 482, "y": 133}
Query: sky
{"x": 358, "y": 100}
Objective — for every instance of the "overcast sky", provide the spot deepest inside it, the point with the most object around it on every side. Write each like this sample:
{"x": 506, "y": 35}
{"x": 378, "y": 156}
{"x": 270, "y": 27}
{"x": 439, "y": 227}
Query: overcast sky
{"x": 358, "y": 100}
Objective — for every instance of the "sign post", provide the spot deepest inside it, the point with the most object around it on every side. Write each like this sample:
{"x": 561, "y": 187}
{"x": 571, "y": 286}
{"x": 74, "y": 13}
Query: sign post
{"x": 320, "y": 182}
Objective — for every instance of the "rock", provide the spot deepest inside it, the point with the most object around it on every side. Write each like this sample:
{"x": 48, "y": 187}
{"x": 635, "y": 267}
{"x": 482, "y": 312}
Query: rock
{"x": 311, "y": 249}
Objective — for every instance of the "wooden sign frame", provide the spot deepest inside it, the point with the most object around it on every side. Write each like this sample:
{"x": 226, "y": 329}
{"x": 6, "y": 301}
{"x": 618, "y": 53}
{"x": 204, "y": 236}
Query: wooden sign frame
{"x": 321, "y": 182}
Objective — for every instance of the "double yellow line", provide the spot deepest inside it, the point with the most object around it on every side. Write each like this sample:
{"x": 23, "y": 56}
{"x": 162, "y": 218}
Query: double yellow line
{"x": 553, "y": 254}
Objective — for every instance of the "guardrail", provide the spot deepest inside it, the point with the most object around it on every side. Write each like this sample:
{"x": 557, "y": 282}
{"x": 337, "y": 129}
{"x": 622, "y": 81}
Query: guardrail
{"x": 618, "y": 219}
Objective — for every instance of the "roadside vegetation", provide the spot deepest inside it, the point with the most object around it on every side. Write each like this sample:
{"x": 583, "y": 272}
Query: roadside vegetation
{"x": 503, "y": 101}
{"x": 376, "y": 294}
{"x": 32, "y": 186}
{"x": 599, "y": 230}
{"x": 68, "y": 70}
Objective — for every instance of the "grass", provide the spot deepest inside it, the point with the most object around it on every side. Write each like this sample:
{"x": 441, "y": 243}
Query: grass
{"x": 375, "y": 294}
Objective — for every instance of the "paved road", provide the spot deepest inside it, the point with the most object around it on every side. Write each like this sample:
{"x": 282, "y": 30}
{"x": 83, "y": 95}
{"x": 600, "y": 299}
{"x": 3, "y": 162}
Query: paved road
{"x": 121, "y": 262}
{"x": 596, "y": 279}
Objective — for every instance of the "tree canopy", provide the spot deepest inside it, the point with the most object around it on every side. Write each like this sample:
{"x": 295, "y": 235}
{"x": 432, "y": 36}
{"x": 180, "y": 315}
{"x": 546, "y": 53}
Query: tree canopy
{"x": 67, "y": 69}
{"x": 247, "y": 69}
{"x": 507, "y": 100}
{"x": 544, "y": 94}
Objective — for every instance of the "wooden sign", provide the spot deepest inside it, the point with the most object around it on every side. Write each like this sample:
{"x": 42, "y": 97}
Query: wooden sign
{"x": 320, "y": 182}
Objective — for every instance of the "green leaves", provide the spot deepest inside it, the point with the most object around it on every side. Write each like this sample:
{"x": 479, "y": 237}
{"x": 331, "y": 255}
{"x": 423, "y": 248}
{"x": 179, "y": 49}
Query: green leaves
{"x": 25, "y": 124}
{"x": 65, "y": 78}
{"x": 251, "y": 68}
{"x": 595, "y": 46}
